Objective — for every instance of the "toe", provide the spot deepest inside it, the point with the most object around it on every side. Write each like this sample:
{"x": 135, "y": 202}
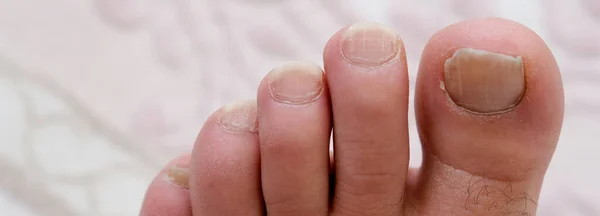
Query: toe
{"x": 225, "y": 166}
{"x": 489, "y": 107}
{"x": 168, "y": 193}
{"x": 295, "y": 126}
{"x": 366, "y": 71}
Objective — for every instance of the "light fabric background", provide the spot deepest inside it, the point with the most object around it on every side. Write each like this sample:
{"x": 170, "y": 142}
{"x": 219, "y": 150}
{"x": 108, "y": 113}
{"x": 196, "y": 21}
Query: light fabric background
{"x": 96, "y": 95}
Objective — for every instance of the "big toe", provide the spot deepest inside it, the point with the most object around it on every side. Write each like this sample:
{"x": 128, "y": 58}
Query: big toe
{"x": 489, "y": 107}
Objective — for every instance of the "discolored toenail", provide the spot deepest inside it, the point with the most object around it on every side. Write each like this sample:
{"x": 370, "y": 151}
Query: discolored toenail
{"x": 296, "y": 83}
{"x": 239, "y": 117}
{"x": 369, "y": 44}
{"x": 179, "y": 176}
{"x": 484, "y": 82}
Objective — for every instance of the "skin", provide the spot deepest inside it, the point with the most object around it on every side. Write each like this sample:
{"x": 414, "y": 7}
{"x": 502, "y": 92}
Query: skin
{"x": 474, "y": 163}
{"x": 165, "y": 198}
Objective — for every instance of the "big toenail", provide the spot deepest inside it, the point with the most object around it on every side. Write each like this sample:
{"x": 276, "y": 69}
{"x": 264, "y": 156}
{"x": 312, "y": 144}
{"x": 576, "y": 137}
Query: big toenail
{"x": 484, "y": 82}
{"x": 369, "y": 44}
{"x": 296, "y": 83}
{"x": 239, "y": 117}
{"x": 179, "y": 176}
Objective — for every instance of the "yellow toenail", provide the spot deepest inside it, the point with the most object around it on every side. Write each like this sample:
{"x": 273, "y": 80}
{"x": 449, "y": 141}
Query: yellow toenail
{"x": 484, "y": 82}
{"x": 179, "y": 176}
{"x": 369, "y": 44}
{"x": 239, "y": 117}
{"x": 296, "y": 83}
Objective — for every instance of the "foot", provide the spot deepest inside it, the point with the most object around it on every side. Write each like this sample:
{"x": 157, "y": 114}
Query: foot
{"x": 489, "y": 109}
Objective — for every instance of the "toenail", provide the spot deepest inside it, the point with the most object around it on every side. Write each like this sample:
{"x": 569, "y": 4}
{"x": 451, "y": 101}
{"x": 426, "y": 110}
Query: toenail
{"x": 239, "y": 117}
{"x": 484, "y": 82}
{"x": 369, "y": 44}
{"x": 179, "y": 176}
{"x": 296, "y": 83}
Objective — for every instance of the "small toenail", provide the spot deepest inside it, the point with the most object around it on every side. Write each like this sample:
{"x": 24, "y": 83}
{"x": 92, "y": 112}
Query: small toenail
{"x": 369, "y": 44}
{"x": 239, "y": 117}
{"x": 484, "y": 82}
{"x": 179, "y": 176}
{"x": 296, "y": 83}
